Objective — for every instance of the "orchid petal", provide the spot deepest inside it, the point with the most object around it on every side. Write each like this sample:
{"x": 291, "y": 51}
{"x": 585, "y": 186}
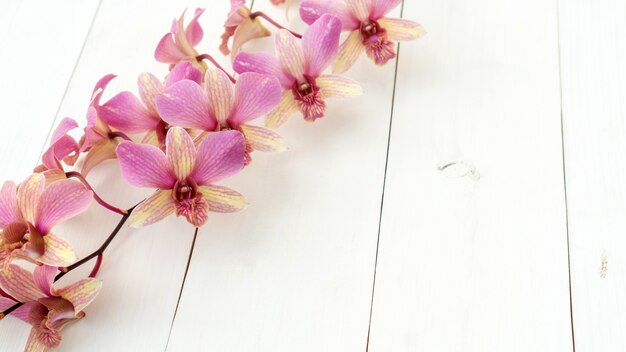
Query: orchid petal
{"x": 400, "y": 29}
{"x": 21, "y": 313}
{"x": 182, "y": 71}
{"x": 194, "y": 31}
{"x": 383, "y": 7}
{"x": 9, "y": 211}
{"x": 126, "y": 113}
{"x": 181, "y": 152}
{"x": 81, "y": 293}
{"x": 57, "y": 252}
{"x": 33, "y": 344}
{"x": 311, "y": 11}
{"x": 145, "y": 165}
{"x": 349, "y": 52}
{"x": 13, "y": 232}
{"x": 157, "y": 207}
{"x": 263, "y": 139}
{"x": 320, "y": 44}
{"x": 360, "y": 9}
{"x": 149, "y": 87}
{"x": 105, "y": 150}
{"x": 185, "y": 104}
{"x": 262, "y": 63}
{"x": 180, "y": 38}
{"x": 62, "y": 200}
{"x": 255, "y": 95}
{"x": 28, "y": 195}
{"x": 63, "y": 148}
{"x": 220, "y": 155}
{"x": 290, "y": 54}
{"x": 219, "y": 89}
{"x": 98, "y": 90}
{"x": 19, "y": 283}
{"x": 44, "y": 278}
{"x": 54, "y": 176}
{"x": 246, "y": 31}
{"x": 222, "y": 199}
{"x": 167, "y": 51}
{"x": 334, "y": 86}
{"x": 284, "y": 110}
{"x": 66, "y": 125}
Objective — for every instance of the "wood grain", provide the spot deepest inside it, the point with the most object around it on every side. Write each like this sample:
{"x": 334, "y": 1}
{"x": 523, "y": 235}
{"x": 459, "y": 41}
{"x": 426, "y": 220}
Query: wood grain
{"x": 593, "y": 50}
{"x": 473, "y": 244}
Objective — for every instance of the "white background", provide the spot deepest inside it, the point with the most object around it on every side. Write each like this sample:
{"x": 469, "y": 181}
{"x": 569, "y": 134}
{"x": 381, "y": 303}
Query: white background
{"x": 467, "y": 202}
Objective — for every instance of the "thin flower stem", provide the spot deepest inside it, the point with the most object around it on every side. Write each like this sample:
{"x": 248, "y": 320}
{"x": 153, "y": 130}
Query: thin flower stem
{"x": 10, "y": 310}
{"x": 274, "y": 23}
{"x": 216, "y": 64}
{"x": 118, "y": 134}
{"x": 96, "y": 267}
{"x": 6, "y": 295}
{"x": 100, "y": 201}
{"x": 98, "y": 253}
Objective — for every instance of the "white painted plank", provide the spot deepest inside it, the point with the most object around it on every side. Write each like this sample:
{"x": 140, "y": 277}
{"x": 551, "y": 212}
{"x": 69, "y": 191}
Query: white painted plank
{"x": 469, "y": 263}
{"x": 593, "y": 52}
{"x": 143, "y": 270}
{"x": 41, "y": 42}
{"x": 294, "y": 271}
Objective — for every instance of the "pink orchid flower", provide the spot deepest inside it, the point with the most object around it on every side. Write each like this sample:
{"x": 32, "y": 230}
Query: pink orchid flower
{"x": 46, "y": 308}
{"x": 99, "y": 141}
{"x": 29, "y": 212}
{"x": 299, "y": 69}
{"x": 220, "y": 105}
{"x": 184, "y": 176}
{"x": 241, "y": 27}
{"x": 129, "y": 114}
{"x": 63, "y": 148}
{"x": 370, "y": 29}
{"x": 179, "y": 44}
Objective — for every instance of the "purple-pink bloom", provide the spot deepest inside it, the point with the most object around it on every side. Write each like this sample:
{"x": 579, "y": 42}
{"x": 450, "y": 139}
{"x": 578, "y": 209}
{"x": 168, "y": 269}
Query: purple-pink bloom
{"x": 241, "y": 27}
{"x": 299, "y": 69}
{"x": 46, "y": 308}
{"x": 63, "y": 148}
{"x": 370, "y": 29}
{"x": 132, "y": 115}
{"x": 179, "y": 44}
{"x": 29, "y": 212}
{"x": 220, "y": 105}
{"x": 184, "y": 176}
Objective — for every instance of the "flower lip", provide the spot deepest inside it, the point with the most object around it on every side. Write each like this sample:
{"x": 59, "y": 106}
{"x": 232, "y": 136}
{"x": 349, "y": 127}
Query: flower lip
{"x": 370, "y": 28}
{"x": 306, "y": 88}
{"x": 185, "y": 190}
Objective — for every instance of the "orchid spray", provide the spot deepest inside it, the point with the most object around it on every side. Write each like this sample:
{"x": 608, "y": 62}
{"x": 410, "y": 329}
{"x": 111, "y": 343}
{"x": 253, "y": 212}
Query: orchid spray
{"x": 182, "y": 135}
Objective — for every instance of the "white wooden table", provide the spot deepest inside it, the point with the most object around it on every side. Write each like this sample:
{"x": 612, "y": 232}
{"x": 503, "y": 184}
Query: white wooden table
{"x": 474, "y": 199}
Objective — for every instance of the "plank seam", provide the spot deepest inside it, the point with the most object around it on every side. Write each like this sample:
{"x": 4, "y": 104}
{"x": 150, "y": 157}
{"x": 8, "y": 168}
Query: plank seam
{"x": 182, "y": 286}
{"x": 69, "y": 81}
{"x": 382, "y": 200}
{"x": 569, "y": 265}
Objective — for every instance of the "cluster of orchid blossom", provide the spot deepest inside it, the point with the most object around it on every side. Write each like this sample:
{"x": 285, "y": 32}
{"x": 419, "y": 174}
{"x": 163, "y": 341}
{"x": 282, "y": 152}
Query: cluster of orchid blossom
{"x": 189, "y": 131}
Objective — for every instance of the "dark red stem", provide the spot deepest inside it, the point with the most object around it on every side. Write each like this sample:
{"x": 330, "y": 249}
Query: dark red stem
{"x": 216, "y": 64}
{"x": 274, "y": 23}
{"x": 96, "y": 267}
{"x": 100, "y": 201}
{"x": 98, "y": 253}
